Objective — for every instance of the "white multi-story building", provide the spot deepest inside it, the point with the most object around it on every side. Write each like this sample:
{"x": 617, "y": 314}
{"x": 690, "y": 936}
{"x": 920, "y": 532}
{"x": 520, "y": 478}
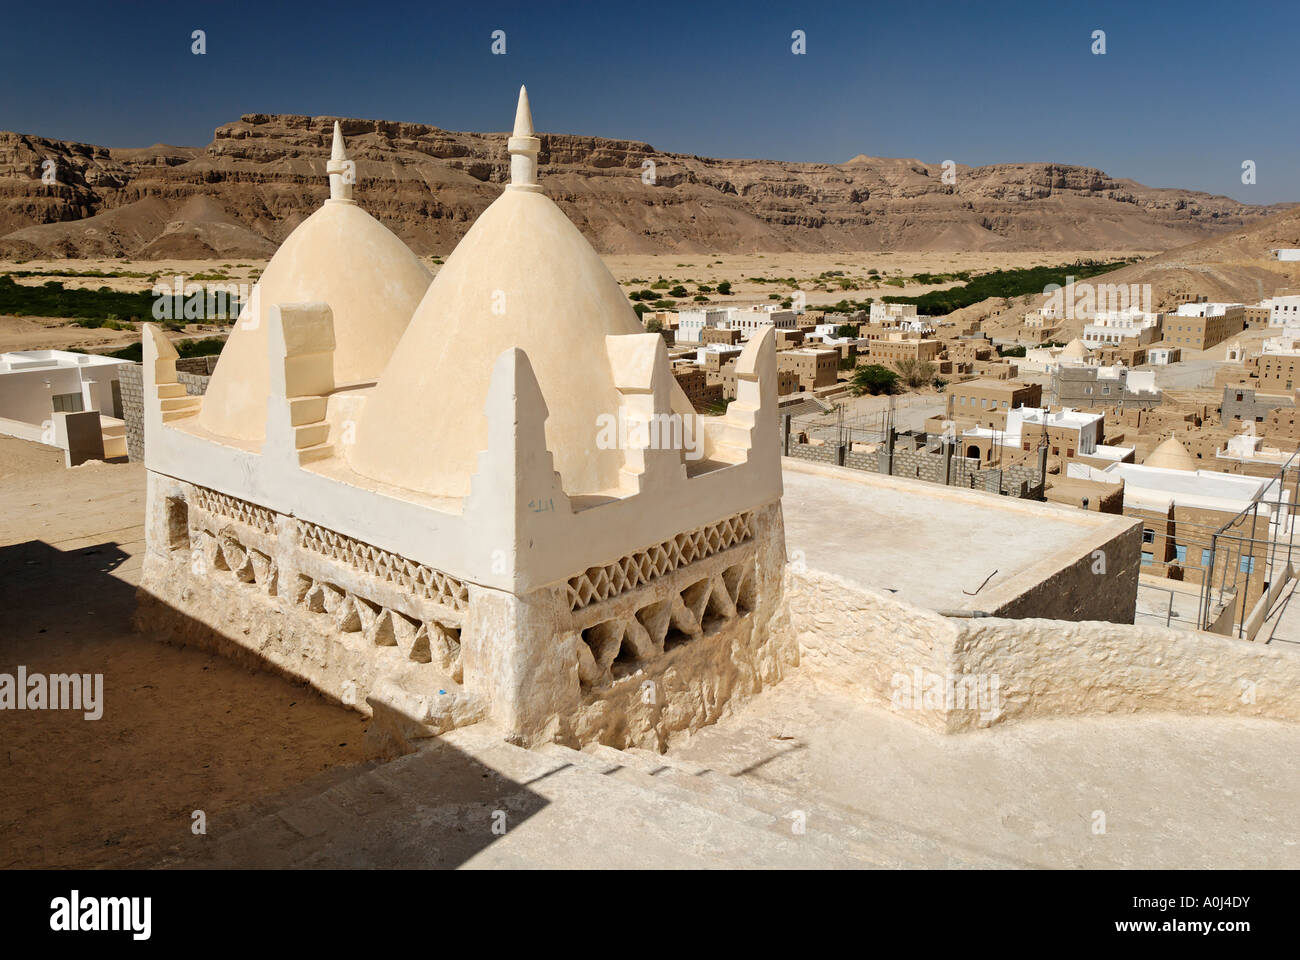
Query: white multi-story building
{"x": 755, "y": 319}
{"x": 691, "y": 323}
{"x": 1115, "y": 327}
{"x": 892, "y": 314}
{"x": 1283, "y": 311}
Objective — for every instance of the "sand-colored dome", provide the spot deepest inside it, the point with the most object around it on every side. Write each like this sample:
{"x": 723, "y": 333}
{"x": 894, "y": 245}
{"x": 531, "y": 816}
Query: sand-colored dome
{"x": 1074, "y": 350}
{"x": 523, "y": 276}
{"x": 345, "y": 257}
{"x": 1171, "y": 455}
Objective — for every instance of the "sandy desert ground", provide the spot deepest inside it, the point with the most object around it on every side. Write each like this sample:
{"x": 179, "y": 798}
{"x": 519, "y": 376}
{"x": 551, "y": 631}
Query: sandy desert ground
{"x": 181, "y": 730}
{"x": 633, "y": 271}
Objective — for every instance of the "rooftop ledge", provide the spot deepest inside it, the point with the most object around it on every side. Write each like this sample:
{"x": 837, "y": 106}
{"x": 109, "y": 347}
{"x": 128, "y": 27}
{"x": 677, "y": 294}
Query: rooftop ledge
{"x": 925, "y": 543}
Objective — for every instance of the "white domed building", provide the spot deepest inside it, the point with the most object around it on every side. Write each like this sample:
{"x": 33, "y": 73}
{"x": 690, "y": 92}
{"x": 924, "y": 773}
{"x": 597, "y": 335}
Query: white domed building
{"x": 342, "y": 256}
{"x": 484, "y": 501}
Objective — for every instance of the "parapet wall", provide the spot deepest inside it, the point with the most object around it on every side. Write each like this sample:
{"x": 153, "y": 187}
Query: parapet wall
{"x": 896, "y": 655}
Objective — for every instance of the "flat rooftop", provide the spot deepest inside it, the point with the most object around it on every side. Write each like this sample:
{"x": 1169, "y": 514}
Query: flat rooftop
{"x": 926, "y": 543}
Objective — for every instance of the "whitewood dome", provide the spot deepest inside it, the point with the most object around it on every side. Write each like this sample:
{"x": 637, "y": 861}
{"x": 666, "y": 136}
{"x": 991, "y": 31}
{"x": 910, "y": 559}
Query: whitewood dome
{"x": 523, "y": 277}
{"x": 343, "y": 256}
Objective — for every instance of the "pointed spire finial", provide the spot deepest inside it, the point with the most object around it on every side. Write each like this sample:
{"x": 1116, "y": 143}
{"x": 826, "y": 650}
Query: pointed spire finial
{"x": 341, "y": 170}
{"x": 523, "y": 115}
{"x": 524, "y": 147}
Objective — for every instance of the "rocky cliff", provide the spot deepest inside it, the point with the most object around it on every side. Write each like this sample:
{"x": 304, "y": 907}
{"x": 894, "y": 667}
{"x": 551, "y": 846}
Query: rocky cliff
{"x": 260, "y": 176}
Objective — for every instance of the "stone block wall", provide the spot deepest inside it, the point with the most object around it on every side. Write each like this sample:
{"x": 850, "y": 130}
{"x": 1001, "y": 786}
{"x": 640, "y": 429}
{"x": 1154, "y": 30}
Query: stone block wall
{"x": 826, "y": 453}
{"x": 131, "y": 379}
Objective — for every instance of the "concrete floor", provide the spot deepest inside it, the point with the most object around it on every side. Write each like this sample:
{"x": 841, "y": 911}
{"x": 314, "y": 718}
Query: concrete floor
{"x": 1175, "y": 791}
{"x": 913, "y": 541}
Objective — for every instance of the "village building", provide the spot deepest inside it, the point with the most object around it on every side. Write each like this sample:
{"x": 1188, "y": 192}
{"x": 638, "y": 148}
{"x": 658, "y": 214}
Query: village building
{"x": 72, "y": 401}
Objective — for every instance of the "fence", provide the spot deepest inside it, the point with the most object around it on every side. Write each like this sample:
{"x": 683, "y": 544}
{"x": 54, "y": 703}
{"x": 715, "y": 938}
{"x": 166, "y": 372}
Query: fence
{"x": 1252, "y": 556}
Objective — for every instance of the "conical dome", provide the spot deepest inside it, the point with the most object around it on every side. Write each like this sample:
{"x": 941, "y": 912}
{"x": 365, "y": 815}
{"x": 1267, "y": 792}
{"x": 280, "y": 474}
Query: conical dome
{"x": 1171, "y": 455}
{"x": 343, "y": 256}
{"x": 1074, "y": 350}
{"x": 523, "y": 277}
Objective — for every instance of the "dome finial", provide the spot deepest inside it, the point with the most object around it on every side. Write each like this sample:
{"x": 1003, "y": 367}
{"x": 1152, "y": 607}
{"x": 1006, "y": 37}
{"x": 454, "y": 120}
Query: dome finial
{"x": 524, "y": 147}
{"x": 340, "y": 168}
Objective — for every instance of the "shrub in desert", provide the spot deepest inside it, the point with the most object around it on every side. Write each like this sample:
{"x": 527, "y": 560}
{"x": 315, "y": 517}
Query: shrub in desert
{"x": 874, "y": 379}
{"x": 915, "y": 373}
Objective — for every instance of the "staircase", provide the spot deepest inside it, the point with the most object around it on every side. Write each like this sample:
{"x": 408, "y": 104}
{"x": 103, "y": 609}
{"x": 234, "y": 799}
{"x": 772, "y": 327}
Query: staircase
{"x": 310, "y": 429}
{"x": 552, "y": 807}
{"x": 175, "y": 403}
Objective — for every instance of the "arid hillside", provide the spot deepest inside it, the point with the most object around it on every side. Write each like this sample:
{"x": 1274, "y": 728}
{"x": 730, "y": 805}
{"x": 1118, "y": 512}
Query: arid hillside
{"x": 1238, "y": 266}
{"x": 261, "y": 175}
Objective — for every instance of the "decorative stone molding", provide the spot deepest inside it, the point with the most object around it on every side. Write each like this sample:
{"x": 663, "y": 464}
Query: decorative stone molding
{"x": 630, "y": 572}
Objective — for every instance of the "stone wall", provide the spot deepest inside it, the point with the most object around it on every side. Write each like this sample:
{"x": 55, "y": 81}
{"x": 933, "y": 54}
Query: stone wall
{"x": 895, "y": 655}
{"x": 824, "y": 453}
{"x": 1015, "y": 480}
{"x": 130, "y": 377}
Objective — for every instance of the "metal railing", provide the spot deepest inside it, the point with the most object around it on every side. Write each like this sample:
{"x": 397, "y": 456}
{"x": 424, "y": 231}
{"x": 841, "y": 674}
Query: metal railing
{"x": 1250, "y": 552}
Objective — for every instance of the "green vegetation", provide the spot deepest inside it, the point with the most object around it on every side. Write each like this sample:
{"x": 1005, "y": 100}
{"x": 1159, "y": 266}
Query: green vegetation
{"x": 80, "y": 273}
{"x": 207, "y": 347}
{"x": 654, "y": 325}
{"x": 1003, "y": 283}
{"x": 664, "y": 304}
{"x": 678, "y": 291}
{"x": 724, "y": 288}
{"x": 50, "y": 299}
{"x": 1011, "y": 351}
{"x": 874, "y": 379}
{"x": 846, "y": 330}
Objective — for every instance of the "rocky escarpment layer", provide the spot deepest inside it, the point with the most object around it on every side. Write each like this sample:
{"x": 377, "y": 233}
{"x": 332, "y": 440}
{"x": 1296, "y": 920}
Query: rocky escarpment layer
{"x": 261, "y": 175}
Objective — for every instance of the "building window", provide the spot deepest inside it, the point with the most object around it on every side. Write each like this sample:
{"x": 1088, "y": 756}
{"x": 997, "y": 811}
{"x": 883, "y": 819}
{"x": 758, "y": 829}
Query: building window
{"x": 1180, "y": 554}
{"x": 1246, "y": 565}
{"x": 67, "y": 403}
{"x": 1146, "y": 559}
{"x": 1205, "y": 558}
{"x": 1148, "y": 536}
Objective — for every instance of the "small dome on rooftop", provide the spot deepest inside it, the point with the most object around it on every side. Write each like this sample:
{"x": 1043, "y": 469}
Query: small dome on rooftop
{"x": 1170, "y": 455}
{"x": 525, "y": 277}
{"x": 343, "y": 256}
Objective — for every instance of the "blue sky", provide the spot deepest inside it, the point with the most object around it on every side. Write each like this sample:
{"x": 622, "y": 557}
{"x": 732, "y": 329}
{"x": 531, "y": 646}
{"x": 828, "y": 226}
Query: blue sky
{"x": 1185, "y": 92}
